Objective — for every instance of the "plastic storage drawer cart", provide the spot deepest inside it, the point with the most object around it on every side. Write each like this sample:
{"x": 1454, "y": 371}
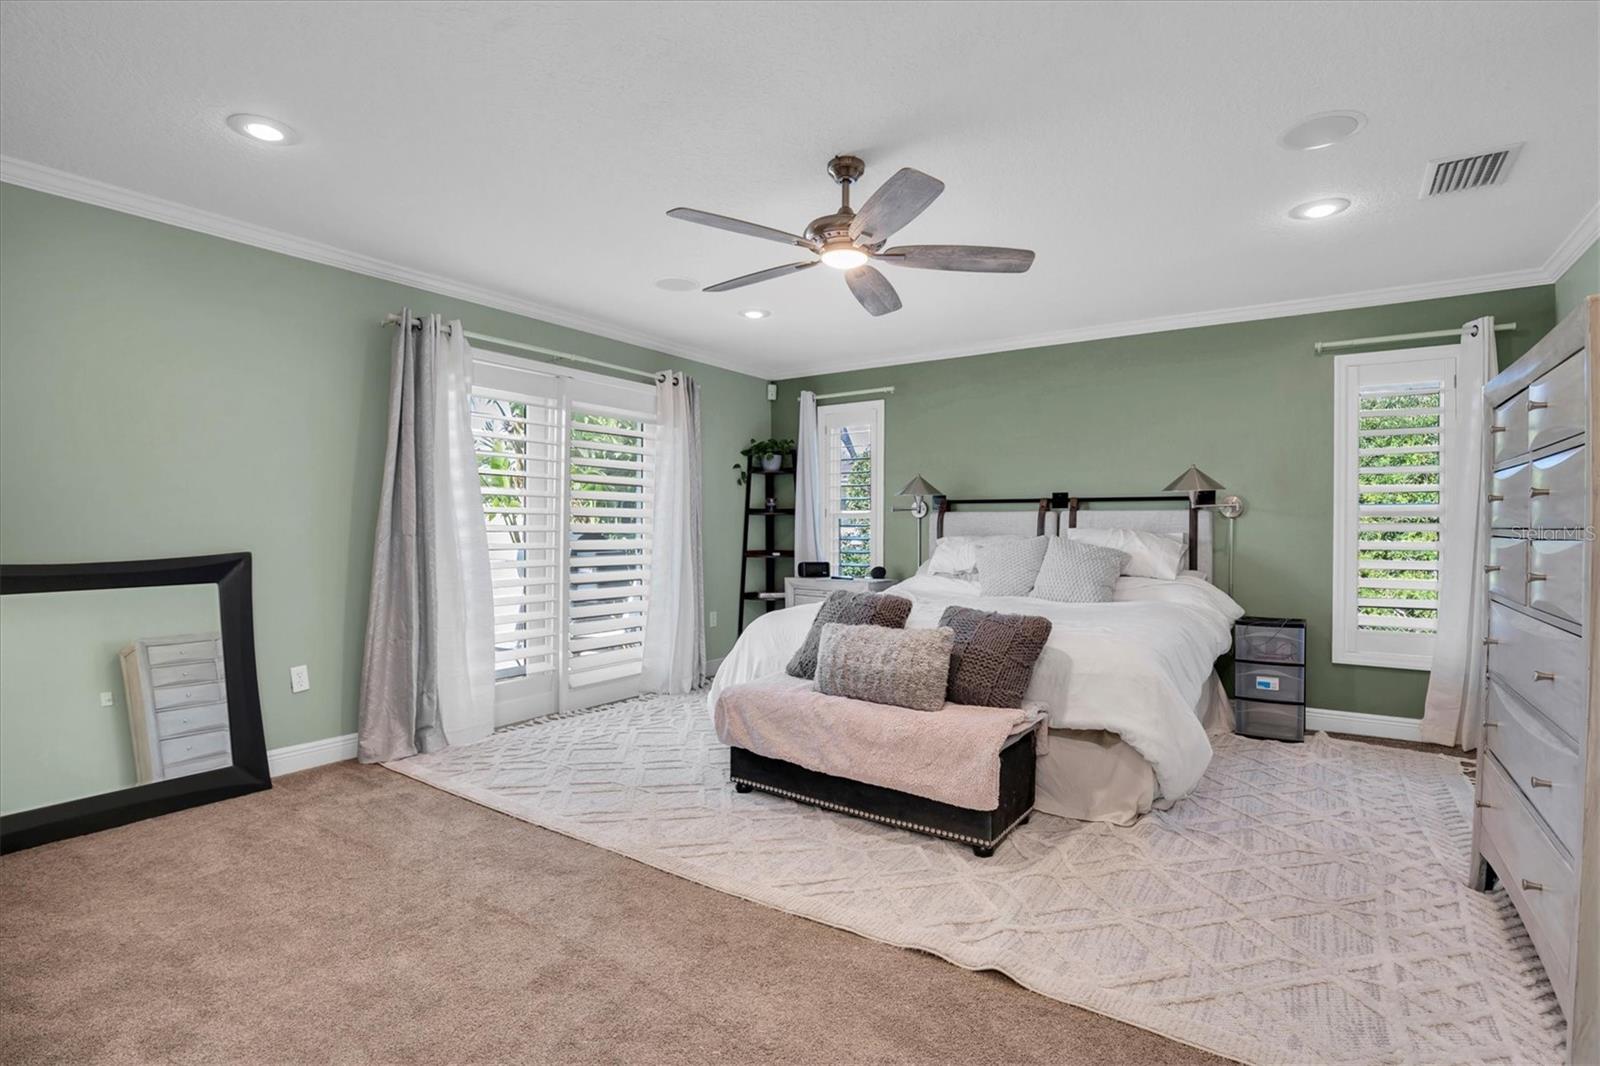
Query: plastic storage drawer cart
{"x": 1269, "y": 678}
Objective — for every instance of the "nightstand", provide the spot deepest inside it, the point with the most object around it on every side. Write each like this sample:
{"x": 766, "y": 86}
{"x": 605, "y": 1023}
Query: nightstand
{"x": 1269, "y": 678}
{"x": 816, "y": 589}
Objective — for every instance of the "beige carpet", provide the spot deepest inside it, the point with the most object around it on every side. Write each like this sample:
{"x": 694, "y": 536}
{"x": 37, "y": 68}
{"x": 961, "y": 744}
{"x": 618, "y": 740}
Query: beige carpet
{"x": 353, "y": 915}
{"x": 1306, "y": 904}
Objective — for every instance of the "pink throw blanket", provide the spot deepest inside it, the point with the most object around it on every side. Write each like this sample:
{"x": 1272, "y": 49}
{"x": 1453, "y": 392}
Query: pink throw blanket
{"x": 950, "y": 755}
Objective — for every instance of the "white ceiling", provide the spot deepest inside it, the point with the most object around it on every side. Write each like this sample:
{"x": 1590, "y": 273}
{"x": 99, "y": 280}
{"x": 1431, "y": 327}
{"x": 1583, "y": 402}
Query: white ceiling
{"x": 531, "y": 150}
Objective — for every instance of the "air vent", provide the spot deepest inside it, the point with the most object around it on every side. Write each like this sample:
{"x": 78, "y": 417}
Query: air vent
{"x": 1469, "y": 171}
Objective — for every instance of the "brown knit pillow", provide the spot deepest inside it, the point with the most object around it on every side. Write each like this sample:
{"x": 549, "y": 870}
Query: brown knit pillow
{"x": 994, "y": 655}
{"x": 851, "y": 609}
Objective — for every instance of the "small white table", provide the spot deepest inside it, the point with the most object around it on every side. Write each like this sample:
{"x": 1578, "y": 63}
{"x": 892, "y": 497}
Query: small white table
{"x": 816, "y": 589}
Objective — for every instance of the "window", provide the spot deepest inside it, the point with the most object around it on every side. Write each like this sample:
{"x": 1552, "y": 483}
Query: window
{"x": 851, "y": 439}
{"x": 1395, "y": 435}
{"x": 565, "y": 466}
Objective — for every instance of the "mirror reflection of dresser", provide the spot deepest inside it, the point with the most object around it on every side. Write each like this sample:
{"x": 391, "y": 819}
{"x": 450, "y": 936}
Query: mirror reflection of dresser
{"x": 177, "y": 705}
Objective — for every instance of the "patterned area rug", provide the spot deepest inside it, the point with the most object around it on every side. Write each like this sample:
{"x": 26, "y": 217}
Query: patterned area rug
{"x": 1306, "y": 904}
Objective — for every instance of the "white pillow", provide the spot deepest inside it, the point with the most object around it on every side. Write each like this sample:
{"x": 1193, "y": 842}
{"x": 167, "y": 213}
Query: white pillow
{"x": 1159, "y": 555}
{"x": 959, "y": 555}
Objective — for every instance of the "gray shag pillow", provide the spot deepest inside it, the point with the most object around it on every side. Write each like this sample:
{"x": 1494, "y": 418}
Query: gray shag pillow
{"x": 900, "y": 667}
{"x": 1075, "y": 572}
{"x": 1009, "y": 567}
{"x": 994, "y": 654}
{"x": 851, "y": 609}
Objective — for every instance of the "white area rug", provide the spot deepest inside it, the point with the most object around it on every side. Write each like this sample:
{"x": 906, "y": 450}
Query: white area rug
{"x": 1306, "y": 904}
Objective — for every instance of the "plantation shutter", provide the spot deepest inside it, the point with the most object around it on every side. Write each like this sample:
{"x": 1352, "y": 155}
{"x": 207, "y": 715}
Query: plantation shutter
{"x": 852, "y": 486}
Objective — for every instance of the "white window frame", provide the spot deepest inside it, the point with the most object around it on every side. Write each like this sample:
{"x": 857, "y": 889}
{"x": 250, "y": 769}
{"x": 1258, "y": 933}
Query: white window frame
{"x": 1353, "y": 646}
{"x": 829, "y": 418}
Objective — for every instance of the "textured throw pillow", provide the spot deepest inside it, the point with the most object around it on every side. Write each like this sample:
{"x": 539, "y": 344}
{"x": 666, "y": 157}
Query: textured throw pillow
{"x": 851, "y": 609}
{"x": 993, "y": 658}
{"x": 1160, "y": 555}
{"x": 1075, "y": 572}
{"x": 1008, "y": 567}
{"x": 901, "y": 667}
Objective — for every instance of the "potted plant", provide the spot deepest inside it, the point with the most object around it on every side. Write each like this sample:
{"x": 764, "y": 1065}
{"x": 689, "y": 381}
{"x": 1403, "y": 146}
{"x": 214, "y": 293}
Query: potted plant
{"x": 767, "y": 455}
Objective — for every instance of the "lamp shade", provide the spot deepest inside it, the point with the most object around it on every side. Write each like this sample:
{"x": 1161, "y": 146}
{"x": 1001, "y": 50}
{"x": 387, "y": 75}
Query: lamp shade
{"x": 1194, "y": 480}
{"x": 918, "y": 486}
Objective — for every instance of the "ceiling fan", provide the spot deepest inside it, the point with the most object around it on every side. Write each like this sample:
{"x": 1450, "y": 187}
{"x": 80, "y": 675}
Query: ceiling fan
{"x": 849, "y": 240}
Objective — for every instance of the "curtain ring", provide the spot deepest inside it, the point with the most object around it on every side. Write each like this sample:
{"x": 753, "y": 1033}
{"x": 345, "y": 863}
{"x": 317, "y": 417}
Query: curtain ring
{"x": 1474, "y": 329}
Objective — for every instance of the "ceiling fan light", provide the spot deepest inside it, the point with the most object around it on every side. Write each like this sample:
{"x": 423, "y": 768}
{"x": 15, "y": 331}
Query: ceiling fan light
{"x": 844, "y": 257}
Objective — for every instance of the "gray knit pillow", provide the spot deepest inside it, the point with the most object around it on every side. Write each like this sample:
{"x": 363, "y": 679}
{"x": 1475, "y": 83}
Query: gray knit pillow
{"x": 901, "y": 667}
{"x": 992, "y": 661}
{"x": 853, "y": 609}
{"x": 1008, "y": 567}
{"x": 1075, "y": 572}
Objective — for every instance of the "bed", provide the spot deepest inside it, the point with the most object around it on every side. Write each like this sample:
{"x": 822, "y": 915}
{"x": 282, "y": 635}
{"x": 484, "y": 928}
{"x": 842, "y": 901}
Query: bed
{"x": 1130, "y": 685}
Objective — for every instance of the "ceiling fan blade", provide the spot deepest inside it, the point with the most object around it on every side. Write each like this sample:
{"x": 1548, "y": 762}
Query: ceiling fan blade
{"x": 897, "y": 201}
{"x": 759, "y": 276}
{"x": 959, "y": 257}
{"x": 736, "y": 225}
{"x": 873, "y": 290}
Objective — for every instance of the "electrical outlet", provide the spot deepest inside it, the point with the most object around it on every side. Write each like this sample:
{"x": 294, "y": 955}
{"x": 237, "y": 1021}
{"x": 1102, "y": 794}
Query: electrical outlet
{"x": 107, "y": 700}
{"x": 711, "y": 620}
{"x": 299, "y": 679}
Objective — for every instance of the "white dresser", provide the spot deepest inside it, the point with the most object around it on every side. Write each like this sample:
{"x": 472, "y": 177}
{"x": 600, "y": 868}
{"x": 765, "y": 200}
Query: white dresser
{"x": 177, "y": 705}
{"x": 816, "y": 589}
{"x": 1537, "y": 825}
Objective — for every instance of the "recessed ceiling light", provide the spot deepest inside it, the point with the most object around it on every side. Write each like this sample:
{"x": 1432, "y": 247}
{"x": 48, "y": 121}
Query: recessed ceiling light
{"x": 1319, "y": 208}
{"x": 677, "y": 284}
{"x": 1320, "y": 131}
{"x": 260, "y": 128}
{"x": 755, "y": 313}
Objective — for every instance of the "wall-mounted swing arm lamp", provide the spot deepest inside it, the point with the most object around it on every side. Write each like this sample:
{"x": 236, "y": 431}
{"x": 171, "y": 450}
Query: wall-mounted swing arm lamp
{"x": 1195, "y": 481}
{"x": 922, "y": 492}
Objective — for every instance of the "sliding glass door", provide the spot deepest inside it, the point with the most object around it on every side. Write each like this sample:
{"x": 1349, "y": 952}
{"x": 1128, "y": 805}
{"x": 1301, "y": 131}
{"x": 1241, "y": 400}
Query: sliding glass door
{"x": 565, "y": 465}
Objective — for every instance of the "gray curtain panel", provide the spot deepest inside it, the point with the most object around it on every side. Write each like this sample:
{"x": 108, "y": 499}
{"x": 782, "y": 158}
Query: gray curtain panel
{"x": 428, "y": 662}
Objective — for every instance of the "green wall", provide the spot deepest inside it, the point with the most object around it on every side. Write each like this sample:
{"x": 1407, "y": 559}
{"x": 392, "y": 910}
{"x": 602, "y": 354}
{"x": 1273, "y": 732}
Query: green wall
{"x": 1250, "y": 404}
{"x": 163, "y": 393}
{"x": 1581, "y": 279}
{"x": 58, "y": 653}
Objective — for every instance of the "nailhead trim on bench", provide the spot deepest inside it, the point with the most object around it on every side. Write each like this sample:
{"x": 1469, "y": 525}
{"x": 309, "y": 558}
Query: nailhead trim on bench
{"x": 897, "y": 823}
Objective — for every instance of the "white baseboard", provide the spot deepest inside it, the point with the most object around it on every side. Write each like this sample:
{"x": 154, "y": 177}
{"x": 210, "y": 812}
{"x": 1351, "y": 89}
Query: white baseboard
{"x": 713, "y": 665}
{"x": 297, "y": 757}
{"x": 1359, "y": 724}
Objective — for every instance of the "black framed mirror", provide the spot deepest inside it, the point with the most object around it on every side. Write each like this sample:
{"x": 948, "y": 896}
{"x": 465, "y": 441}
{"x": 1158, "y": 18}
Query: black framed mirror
{"x": 127, "y": 690}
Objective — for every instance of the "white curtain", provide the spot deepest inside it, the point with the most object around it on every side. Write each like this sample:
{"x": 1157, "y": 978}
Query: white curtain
{"x": 1453, "y": 713}
{"x": 427, "y": 672}
{"x": 808, "y": 485}
{"x": 674, "y": 635}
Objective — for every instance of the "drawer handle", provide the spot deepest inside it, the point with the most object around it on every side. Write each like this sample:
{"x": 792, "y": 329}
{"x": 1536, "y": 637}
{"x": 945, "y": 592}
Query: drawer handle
{"x": 1491, "y": 725}
{"x": 1531, "y": 886}
{"x": 1487, "y": 641}
{"x": 1495, "y": 497}
{"x": 1482, "y": 803}
{"x": 1491, "y": 569}
{"x": 1538, "y": 492}
{"x": 1538, "y": 782}
{"x": 1537, "y": 405}
{"x": 1497, "y": 429}
{"x": 1538, "y": 577}
{"x": 1543, "y": 675}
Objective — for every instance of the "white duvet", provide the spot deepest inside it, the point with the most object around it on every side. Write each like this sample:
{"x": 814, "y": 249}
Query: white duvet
{"x": 1134, "y": 667}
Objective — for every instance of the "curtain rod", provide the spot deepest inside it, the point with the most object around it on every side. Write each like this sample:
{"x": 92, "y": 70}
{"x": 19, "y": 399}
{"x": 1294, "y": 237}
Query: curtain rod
{"x": 1432, "y": 334}
{"x": 852, "y": 392}
{"x": 394, "y": 320}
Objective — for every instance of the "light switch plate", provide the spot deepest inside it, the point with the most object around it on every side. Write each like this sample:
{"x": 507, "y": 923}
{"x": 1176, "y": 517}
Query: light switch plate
{"x": 299, "y": 679}
{"x": 107, "y": 700}
{"x": 711, "y": 621}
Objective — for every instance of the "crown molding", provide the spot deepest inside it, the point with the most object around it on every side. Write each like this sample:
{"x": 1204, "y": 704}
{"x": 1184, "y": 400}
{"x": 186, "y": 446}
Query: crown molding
{"x": 103, "y": 194}
{"x": 45, "y": 179}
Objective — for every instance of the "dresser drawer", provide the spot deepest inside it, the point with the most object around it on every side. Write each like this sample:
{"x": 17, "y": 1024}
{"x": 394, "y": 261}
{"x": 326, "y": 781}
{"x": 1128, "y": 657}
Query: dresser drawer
{"x": 1558, "y": 490}
{"x": 808, "y": 595}
{"x": 1508, "y": 567}
{"x": 182, "y": 673}
{"x": 1510, "y": 427}
{"x": 191, "y": 720}
{"x": 1558, "y": 405}
{"x": 161, "y": 654}
{"x": 187, "y": 695}
{"x": 1544, "y": 766}
{"x": 194, "y": 746}
{"x": 197, "y": 766}
{"x": 1542, "y": 664}
{"x": 1508, "y": 497}
{"x": 1257, "y": 681}
{"x": 1537, "y": 877}
{"x": 1556, "y": 577}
